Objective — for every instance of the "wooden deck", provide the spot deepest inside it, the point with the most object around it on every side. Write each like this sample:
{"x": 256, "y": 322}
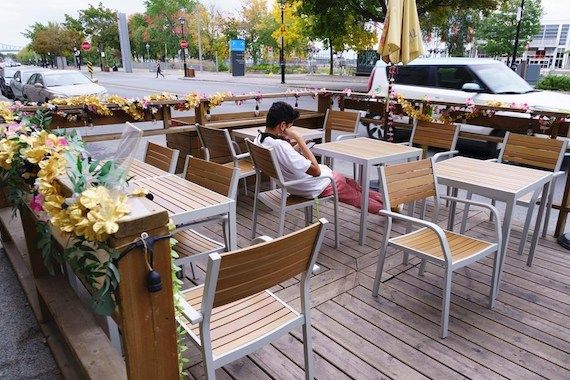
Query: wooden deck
{"x": 526, "y": 335}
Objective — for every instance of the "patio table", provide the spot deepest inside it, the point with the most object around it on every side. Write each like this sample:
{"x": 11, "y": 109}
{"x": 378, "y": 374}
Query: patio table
{"x": 366, "y": 153}
{"x": 251, "y": 133}
{"x": 188, "y": 203}
{"x": 505, "y": 183}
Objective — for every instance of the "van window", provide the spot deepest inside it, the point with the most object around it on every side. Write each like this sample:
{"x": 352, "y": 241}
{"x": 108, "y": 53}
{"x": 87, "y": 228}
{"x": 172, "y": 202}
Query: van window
{"x": 454, "y": 77}
{"x": 412, "y": 75}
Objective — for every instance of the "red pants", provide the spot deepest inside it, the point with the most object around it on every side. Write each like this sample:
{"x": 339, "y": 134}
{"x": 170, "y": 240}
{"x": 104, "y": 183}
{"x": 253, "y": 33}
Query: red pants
{"x": 350, "y": 192}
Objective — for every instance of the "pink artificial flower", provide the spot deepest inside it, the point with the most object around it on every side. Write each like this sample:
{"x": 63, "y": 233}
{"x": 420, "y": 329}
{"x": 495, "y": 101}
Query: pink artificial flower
{"x": 62, "y": 141}
{"x": 469, "y": 101}
{"x": 36, "y": 204}
{"x": 347, "y": 91}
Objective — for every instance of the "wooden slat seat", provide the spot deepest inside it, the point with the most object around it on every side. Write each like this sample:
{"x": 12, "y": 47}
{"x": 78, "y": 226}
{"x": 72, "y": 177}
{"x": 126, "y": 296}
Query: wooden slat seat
{"x": 242, "y": 321}
{"x": 244, "y": 166}
{"x": 425, "y": 241}
{"x": 272, "y": 199}
{"x": 191, "y": 243}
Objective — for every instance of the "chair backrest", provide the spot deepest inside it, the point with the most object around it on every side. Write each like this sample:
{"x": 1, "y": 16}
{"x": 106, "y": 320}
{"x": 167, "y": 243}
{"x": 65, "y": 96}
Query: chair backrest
{"x": 239, "y": 274}
{"x": 537, "y": 152}
{"x": 216, "y": 144}
{"x": 264, "y": 161}
{"x": 436, "y": 135}
{"x": 343, "y": 121}
{"x": 161, "y": 157}
{"x": 213, "y": 176}
{"x": 408, "y": 182}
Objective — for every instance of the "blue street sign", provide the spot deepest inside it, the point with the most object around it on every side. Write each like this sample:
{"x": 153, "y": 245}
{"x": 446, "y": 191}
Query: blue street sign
{"x": 237, "y": 45}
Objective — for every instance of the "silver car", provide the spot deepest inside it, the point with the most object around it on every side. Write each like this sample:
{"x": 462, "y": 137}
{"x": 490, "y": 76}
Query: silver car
{"x": 47, "y": 85}
{"x": 20, "y": 78}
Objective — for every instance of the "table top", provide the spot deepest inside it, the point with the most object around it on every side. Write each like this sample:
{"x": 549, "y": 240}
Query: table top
{"x": 251, "y": 133}
{"x": 185, "y": 201}
{"x": 495, "y": 176}
{"x": 366, "y": 150}
{"x": 141, "y": 170}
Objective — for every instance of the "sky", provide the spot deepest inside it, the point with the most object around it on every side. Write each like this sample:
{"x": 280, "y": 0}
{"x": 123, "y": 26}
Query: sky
{"x": 17, "y": 15}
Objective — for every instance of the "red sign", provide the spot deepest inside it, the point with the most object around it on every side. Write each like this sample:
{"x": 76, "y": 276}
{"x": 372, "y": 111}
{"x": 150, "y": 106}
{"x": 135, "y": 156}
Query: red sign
{"x": 183, "y": 44}
{"x": 86, "y": 46}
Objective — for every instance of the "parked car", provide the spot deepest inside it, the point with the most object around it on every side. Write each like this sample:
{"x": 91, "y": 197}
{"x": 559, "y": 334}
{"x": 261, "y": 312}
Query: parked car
{"x": 47, "y": 85}
{"x": 6, "y": 74}
{"x": 458, "y": 79}
{"x": 20, "y": 78}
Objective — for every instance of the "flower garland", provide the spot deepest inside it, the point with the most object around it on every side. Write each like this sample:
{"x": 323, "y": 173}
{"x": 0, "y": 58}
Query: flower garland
{"x": 90, "y": 103}
{"x": 129, "y": 106}
{"x": 6, "y": 111}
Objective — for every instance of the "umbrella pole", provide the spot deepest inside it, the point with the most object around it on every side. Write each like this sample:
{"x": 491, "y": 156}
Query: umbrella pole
{"x": 388, "y": 122}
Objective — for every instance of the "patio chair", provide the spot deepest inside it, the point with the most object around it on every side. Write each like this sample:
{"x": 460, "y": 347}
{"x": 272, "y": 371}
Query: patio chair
{"x": 534, "y": 152}
{"x": 224, "y": 180}
{"x": 233, "y": 314}
{"x": 442, "y": 136}
{"x": 341, "y": 121}
{"x": 218, "y": 146}
{"x": 161, "y": 157}
{"x": 279, "y": 199}
{"x": 412, "y": 181}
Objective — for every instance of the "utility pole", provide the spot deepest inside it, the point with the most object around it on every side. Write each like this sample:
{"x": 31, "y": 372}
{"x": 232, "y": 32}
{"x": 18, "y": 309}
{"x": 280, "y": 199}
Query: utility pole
{"x": 199, "y": 40}
{"x": 282, "y": 52}
{"x": 519, "y": 22}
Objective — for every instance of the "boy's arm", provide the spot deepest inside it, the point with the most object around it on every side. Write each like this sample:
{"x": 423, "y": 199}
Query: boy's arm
{"x": 303, "y": 149}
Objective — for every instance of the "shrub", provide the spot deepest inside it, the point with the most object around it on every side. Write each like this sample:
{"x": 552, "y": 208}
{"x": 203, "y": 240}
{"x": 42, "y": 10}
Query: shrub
{"x": 222, "y": 66}
{"x": 554, "y": 82}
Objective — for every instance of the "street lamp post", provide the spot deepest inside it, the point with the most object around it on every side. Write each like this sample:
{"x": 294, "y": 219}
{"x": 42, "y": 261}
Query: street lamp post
{"x": 281, "y": 52}
{"x": 181, "y": 19}
{"x": 147, "y": 52}
{"x": 49, "y": 59}
{"x": 519, "y": 22}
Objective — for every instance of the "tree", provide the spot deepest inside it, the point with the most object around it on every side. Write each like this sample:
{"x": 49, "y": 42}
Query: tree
{"x": 341, "y": 29}
{"x": 497, "y": 31}
{"x": 376, "y": 10}
{"x": 53, "y": 38}
{"x": 255, "y": 16}
{"x": 295, "y": 36}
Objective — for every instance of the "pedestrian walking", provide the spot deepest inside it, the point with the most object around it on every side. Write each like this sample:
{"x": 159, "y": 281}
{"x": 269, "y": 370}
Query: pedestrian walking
{"x": 158, "y": 71}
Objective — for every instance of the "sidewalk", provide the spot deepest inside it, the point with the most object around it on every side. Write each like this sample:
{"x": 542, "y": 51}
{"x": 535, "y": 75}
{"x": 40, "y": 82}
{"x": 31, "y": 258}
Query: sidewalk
{"x": 331, "y": 82}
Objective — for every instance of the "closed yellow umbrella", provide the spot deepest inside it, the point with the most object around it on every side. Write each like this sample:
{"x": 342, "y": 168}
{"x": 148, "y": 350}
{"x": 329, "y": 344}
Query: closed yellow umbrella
{"x": 401, "y": 39}
{"x": 401, "y": 42}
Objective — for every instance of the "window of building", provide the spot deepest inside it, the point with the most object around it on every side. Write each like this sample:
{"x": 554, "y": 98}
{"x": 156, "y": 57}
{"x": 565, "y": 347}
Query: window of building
{"x": 563, "y": 35}
{"x": 550, "y": 32}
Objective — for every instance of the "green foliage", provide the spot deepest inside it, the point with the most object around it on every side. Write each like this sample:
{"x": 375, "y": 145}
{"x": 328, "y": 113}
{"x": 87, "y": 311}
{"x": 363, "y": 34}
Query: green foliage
{"x": 53, "y": 38}
{"x": 222, "y": 66}
{"x": 266, "y": 68}
{"x": 98, "y": 23}
{"x": 497, "y": 30}
{"x": 554, "y": 82}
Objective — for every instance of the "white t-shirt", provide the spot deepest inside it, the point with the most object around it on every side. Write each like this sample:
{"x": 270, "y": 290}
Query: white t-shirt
{"x": 294, "y": 166}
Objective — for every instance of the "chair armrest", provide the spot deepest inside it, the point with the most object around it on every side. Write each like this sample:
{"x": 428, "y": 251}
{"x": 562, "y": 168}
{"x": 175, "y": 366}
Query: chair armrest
{"x": 193, "y": 315}
{"x": 302, "y": 180}
{"x": 432, "y": 226}
{"x": 558, "y": 174}
{"x": 348, "y": 136}
{"x": 493, "y": 209}
{"x": 261, "y": 239}
{"x": 241, "y": 156}
{"x": 236, "y": 147}
{"x": 406, "y": 143}
{"x": 493, "y": 160}
{"x": 440, "y": 155}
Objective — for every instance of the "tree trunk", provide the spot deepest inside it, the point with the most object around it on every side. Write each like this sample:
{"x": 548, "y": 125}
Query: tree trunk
{"x": 331, "y": 56}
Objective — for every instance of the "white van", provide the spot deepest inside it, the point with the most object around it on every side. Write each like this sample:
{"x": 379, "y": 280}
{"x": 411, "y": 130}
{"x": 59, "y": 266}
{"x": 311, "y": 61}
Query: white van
{"x": 458, "y": 79}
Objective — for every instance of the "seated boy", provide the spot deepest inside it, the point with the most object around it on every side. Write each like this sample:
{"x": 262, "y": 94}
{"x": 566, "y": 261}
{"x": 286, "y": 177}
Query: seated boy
{"x": 297, "y": 161}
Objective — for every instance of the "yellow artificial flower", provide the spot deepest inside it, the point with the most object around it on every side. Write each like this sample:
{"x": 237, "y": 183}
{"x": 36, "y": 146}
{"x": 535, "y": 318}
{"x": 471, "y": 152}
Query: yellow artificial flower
{"x": 139, "y": 192}
{"x": 52, "y": 167}
{"x": 8, "y": 148}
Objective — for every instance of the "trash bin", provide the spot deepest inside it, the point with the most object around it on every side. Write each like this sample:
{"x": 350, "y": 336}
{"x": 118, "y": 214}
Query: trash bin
{"x": 190, "y": 73}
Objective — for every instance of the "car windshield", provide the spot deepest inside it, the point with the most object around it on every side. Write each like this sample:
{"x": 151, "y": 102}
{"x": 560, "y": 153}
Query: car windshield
{"x": 67, "y": 79}
{"x": 500, "y": 79}
{"x": 10, "y": 71}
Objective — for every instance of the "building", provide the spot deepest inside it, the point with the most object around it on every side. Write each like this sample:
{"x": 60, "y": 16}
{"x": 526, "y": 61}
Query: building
{"x": 550, "y": 48}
